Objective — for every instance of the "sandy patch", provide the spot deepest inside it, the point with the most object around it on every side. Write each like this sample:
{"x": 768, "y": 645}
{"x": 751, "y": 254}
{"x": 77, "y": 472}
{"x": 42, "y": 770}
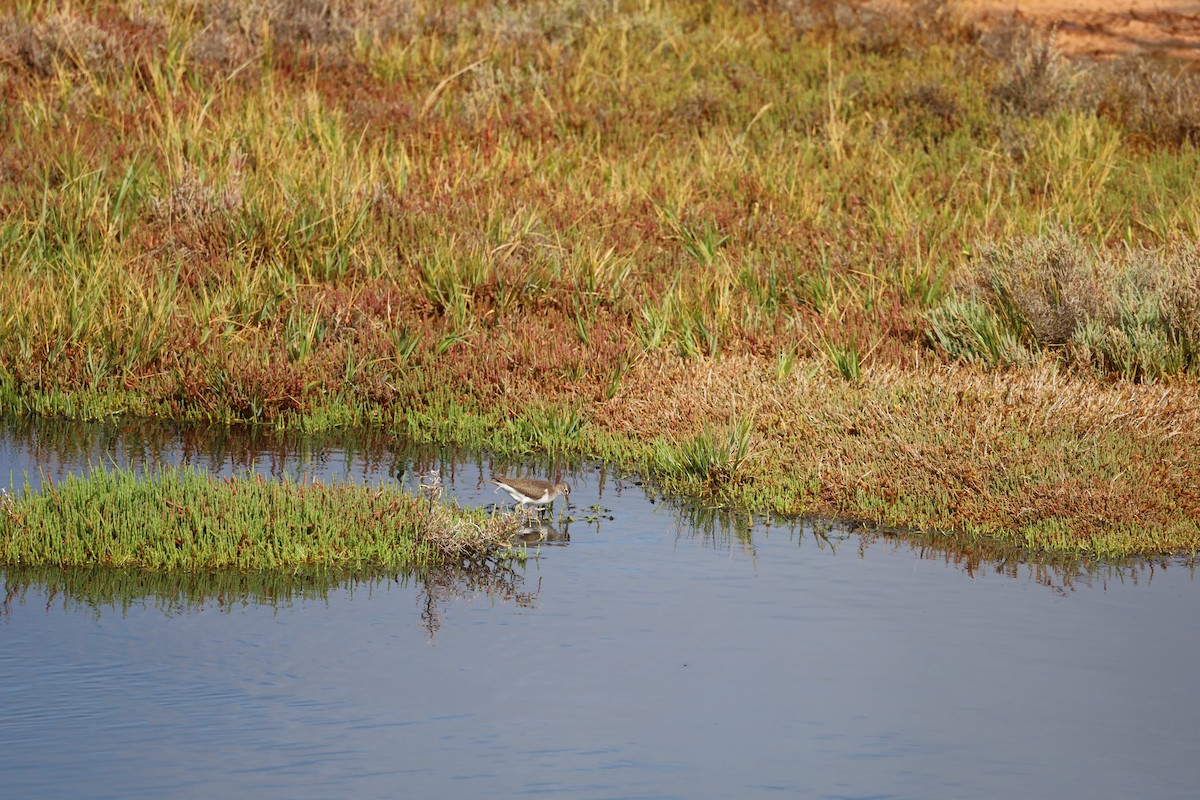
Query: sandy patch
{"x": 1104, "y": 28}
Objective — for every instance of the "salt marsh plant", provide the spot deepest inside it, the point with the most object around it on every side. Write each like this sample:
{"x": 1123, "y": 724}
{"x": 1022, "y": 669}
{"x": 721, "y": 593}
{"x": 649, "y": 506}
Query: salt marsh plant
{"x": 181, "y": 519}
{"x": 1133, "y": 313}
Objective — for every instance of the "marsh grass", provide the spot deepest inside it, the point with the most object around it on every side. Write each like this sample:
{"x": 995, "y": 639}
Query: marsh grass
{"x": 436, "y": 218}
{"x": 711, "y": 458}
{"x": 181, "y": 519}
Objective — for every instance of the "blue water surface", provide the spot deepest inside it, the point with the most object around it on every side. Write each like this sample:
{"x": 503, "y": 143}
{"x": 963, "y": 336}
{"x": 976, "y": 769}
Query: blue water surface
{"x": 662, "y": 653}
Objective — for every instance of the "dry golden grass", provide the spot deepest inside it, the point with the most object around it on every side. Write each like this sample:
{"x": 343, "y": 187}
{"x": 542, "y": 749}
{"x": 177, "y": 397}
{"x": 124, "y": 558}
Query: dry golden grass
{"x": 1035, "y": 457}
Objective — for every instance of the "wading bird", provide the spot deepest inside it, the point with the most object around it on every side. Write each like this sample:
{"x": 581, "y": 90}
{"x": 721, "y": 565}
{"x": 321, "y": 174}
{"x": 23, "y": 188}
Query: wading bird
{"x": 533, "y": 491}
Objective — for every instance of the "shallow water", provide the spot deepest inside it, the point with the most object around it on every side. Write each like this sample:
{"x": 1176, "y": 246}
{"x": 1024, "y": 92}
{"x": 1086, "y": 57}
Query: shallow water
{"x": 660, "y": 653}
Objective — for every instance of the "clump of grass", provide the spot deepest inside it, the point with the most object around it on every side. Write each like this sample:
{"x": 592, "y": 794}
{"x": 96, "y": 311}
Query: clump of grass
{"x": 711, "y": 458}
{"x": 701, "y": 242}
{"x": 305, "y": 332}
{"x": 230, "y": 34}
{"x": 194, "y": 200}
{"x": 1133, "y": 314}
{"x": 785, "y": 362}
{"x": 405, "y": 342}
{"x": 546, "y": 429}
{"x": 1155, "y": 99}
{"x": 181, "y": 519}
{"x": 967, "y": 329}
{"x": 845, "y": 359}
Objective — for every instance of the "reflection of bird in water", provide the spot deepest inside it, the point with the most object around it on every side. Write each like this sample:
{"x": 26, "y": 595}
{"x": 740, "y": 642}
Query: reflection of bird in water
{"x": 533, "y": 491}
{"x": 538, "y": 532}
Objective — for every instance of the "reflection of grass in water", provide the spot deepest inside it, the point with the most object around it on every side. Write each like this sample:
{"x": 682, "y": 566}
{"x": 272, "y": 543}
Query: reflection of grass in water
{"x": 726, "y": 529}
{"x": 99, "y": 588}
{"x": 718, "y": 527}
{"x": 1059, "y": 572}
{"x": 729, "y": 530}
{"x": 502, "y": 583}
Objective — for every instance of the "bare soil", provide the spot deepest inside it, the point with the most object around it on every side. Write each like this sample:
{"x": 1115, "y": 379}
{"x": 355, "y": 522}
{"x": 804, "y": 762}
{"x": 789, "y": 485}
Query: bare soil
{"x": 1104, "y": 28}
